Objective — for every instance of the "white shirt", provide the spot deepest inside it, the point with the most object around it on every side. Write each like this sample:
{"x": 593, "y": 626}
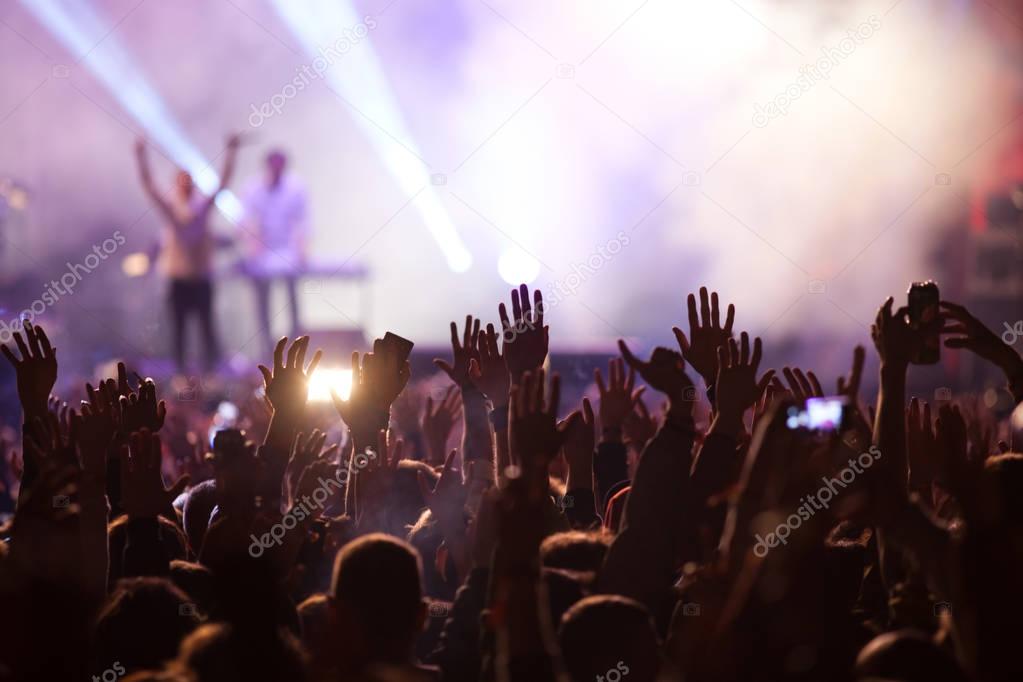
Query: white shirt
{"x": 275, "y": 224}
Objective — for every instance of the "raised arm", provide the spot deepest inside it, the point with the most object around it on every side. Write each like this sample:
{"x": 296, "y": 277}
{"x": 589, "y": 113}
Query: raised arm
{"x": 227, "y": 173}
{"x": 146, "y": 177}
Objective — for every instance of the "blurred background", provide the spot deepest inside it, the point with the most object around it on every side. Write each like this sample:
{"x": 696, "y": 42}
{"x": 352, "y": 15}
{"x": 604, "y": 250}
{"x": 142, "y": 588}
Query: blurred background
{"x": 805, "y": 159}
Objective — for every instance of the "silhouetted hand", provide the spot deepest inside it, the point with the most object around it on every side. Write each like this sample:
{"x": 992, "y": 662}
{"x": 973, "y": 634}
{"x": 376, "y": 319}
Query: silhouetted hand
{"x": 617, "y": 397}
{"x": 437, "y": 423}
{"x": 140, "y": 409}
{"x": 376, "y": 382}
{"x": 534, "y": 435}
{"x": 36, "y": 370}
{"x": 705, "y": 334}
{"x": 525, "y": 336}
{"x": 973, "y": 335}
{"x": 894, "y": 338}
{"x": 306, "y": 451}
{"x": 639, "y": 426}
{"x": 375, "y": 481}
{"x": 958, "y": 472}
{"x": 287, "y": 386}
{"x": 665, "y": 372}
{"x": 802, "y": 385}
{"x": 921, "y": 446}
{"x": 580, "y": 442}
{"x": 142, "y": 492}
{"x": 488, "y": 371}
{"x": 737, "y": 388}
{"x": 463, "y": 353}
{"x": 446, "y": 501}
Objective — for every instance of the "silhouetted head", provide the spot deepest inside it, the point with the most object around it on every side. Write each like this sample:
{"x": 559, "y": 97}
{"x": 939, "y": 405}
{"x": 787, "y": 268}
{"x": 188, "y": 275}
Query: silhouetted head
{"x": 276, "y": 162}
{"x": 184, "y": 185}
{"x": 907, "y": 655}
{"x": 142, "y": 623}
{"x": 221, "y": 653}
{"x": 605, "y": 633}
{"x": 1003, "y": 482}
{"x": 575, "y": 550}
{"x": 376, "y": 599}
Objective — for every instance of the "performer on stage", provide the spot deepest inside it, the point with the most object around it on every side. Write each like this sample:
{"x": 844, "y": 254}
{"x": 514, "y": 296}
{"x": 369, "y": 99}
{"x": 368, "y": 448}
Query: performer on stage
{"x": 275, "y": 230}
{"x": 187, "y": 246}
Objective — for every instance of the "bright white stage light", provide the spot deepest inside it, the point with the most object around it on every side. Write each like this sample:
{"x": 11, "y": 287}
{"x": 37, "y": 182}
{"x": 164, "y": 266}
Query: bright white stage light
{"x": 316, "y": 24}
{"x": 324, "y": 379}
{"x": 78, "y": 27}
{"x": 517, "y": 267}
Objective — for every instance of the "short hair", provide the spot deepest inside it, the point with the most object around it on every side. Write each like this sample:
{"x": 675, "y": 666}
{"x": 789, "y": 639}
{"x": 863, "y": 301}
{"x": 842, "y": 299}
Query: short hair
{"x": 313, "y": 613}
{"x": 378, "y": 579}
{"x": 907, "y": 655}
{"x": 172, "y": 538}
{"x": 195, "y": 516}
{"x": 142, "y": 623}
{"x": 575, "y": 550}
{"x": 218, "y": 652}
{"x": 600, "y": 632}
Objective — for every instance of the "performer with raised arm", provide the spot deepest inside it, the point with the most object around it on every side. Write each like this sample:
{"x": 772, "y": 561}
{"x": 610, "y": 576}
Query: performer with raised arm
{"x": 186, "y": 250}
{"x": 276, "y": 229}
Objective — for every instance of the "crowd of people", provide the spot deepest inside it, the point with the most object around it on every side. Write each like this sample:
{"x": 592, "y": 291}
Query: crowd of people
{"x": 717, "y": 540}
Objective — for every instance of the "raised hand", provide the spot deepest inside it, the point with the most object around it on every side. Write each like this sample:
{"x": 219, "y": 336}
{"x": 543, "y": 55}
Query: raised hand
{"x": 971, "y": 334}
{"x": 706, "y": 334}
{"x": 580, "y": 442}
{"x": 376, "y": 382}
{"x": 617, "y": 397}
{"x": 287, "y": 385}
{"x": 375, "y": 481}
{"x": 802, "y": 385}
{"x": 534, "y": 434}
{"x": 437, "y": 423}
{"x": 525, "y": 336}
{"x": 36, "y": 370}
{"x": 464, "y": 352}
{"x": 737, "y": 388}
{"x": 665, "y": 372}
{"x": 140, "y": 409}
{"x": 446, "y": 501}
{"x": 958, "y": 472}
{"x": 639, "y": 426}
{"x": 488, "y": 371}
{"x": 142, "y": 492}
{"x": 895, "y": 340}
{"x": 921, "y": 446}
{"x": 304, "y": 453}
